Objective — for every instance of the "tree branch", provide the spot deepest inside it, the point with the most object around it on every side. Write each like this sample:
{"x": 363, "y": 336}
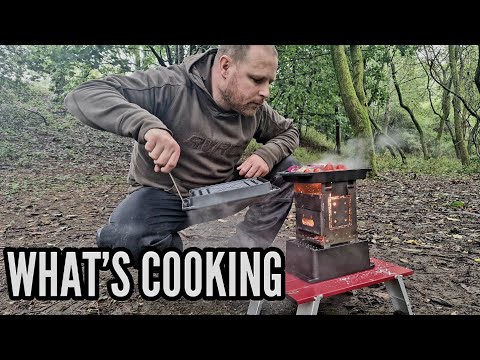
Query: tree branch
{"x": 469, "y": 109}
{"x": 159, "y": 58}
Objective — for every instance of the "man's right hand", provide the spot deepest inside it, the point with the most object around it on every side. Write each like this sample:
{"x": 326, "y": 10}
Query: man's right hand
{"x": 163, "y": 149}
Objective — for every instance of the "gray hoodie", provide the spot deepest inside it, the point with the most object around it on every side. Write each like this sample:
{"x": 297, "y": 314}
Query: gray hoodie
{"x": 178, "y": 100}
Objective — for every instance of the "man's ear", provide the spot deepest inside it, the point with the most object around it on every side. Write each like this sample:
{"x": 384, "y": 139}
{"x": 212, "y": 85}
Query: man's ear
{"x": 225, "y": 65}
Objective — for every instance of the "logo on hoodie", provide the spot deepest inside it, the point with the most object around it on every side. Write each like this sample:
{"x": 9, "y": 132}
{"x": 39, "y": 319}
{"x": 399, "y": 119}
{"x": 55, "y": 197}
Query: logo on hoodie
{"x": 209, "y": 146}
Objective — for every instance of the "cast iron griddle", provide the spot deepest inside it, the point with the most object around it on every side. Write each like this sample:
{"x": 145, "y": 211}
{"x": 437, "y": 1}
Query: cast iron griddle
{"x": 325, "y": 176}
{"x": 227, "y": 192}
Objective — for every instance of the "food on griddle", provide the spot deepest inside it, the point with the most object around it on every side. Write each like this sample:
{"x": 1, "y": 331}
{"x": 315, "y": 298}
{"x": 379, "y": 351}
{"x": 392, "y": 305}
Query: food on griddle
{"x": 313, "y": 168}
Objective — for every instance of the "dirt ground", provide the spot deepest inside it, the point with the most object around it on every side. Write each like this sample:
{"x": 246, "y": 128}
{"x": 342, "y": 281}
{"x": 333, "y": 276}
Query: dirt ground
{"x": 60, "y": 185}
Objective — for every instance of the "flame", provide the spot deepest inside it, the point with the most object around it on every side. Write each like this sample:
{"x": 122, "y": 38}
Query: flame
{"x": 308, "y": 188}
{"x": 308, "y": 222}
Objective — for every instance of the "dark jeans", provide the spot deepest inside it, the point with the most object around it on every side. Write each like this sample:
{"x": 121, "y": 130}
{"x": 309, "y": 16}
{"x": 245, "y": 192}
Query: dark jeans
{"x": 151, "y": 217}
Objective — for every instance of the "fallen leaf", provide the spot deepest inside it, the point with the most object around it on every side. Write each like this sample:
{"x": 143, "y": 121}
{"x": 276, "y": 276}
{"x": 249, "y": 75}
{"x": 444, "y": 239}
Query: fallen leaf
{"x": 455, "y": 236}
{"x": 440, "y": 301}
{"x": 412, "y": 250}
{"x": 452, "y": 219}
{"x": 414, "y": 242}
{"x": 477, "y": 260}
{"x": 470, "y": 289}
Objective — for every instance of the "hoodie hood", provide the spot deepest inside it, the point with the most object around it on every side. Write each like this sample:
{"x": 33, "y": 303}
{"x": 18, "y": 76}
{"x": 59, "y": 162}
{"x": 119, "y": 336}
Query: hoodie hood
{"x": 199, "y": 69}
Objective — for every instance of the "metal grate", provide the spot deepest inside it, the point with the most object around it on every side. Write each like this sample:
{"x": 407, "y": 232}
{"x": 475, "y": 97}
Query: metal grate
{"x": 325, "y": 176}
{"x": 233, "y": 185}
{"x": 228, "y": 192}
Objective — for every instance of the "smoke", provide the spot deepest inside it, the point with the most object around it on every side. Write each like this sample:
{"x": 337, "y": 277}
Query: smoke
{"x": 354, "y": 156}
{"x": 382, "y": 141}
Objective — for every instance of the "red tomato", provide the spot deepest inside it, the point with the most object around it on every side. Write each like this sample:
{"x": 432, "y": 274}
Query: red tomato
{"x": 341, "y": 167}
{"x": 329, "y": 167}
{"x": 293, "y": 168}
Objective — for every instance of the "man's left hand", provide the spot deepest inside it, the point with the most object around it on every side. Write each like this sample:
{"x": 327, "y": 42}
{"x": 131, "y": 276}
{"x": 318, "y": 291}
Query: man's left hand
{"x": 254, "y": 166}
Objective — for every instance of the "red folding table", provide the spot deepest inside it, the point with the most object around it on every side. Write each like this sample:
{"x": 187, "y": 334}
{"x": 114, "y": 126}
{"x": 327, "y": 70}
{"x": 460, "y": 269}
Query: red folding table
{"x": 307, "y": 296}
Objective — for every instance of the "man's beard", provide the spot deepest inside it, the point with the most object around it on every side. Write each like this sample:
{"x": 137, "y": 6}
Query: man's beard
{"x": 234, "y": 100}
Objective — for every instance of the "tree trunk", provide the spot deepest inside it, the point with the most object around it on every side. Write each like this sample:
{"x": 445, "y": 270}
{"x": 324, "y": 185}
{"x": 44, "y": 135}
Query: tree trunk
{"x": 460, "y": 141}
{"x": 410, "y": 112}
{"x": 357, "y": 74}
{"x": 180, "y": 53}
{"x": 452, "y": 136}
{"x": 356, "y": 111}
{"x": 477, "y": 72}
{"x": 445, "y": 110}
{"x": 473, "y": 138}
{"x": 388, "y": 109}
{"x": 137, "y": 56}
{"x": 475, "y": 129}
{"x": 169, "y": 55}
{"x": 338, "y": 133}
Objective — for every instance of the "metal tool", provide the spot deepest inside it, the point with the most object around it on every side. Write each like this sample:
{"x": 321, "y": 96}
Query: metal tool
{"x": 232, "y": 191}
{"x": 175, "y": 184}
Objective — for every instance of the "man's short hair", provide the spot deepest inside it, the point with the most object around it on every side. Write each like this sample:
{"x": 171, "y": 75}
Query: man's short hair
{"x": 239, "y": 52}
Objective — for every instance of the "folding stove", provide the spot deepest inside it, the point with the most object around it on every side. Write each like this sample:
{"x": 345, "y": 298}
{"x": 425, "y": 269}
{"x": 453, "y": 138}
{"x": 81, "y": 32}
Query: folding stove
{"x": 326, "y": 244}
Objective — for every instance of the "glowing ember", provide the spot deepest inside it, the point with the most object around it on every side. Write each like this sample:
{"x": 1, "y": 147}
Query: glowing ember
{"x": 308, "y": 188}
{"x": 308, "y": 222}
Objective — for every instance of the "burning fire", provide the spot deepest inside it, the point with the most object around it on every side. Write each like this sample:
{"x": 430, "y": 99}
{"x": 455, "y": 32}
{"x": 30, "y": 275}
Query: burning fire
{"x": 308, "y": 188}
{"x": 308, "y": 222}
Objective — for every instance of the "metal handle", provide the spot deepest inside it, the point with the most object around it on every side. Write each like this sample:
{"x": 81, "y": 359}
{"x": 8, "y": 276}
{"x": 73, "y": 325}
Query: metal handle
{"x": 176, "y": 187}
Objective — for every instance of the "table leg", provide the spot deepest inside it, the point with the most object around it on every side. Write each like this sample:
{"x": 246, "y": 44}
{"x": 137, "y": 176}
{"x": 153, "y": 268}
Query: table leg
{"x": 255, "y": 307}
{"x": 310, "y": 308}
{"x": 398, "y": 295}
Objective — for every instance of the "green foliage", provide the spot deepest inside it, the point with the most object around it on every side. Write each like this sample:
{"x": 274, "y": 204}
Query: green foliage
{"x": 457, "y": 203}
{"x": 305, "y": 89}
{"x": 8, "y": 150}
{"x": 316, "y": 141}
{"x": 312, "y": 146}
{"x": 441, "y": 166}
{"x": 11, "y": 68}
{"x": 28, "y": 114}
{"x": 66, "y": 66}
{"x": 252, "y": 146}
{"x": 20, "y": 102}
{"x": 306, "y": 155}
{"x": 376, "y": 58}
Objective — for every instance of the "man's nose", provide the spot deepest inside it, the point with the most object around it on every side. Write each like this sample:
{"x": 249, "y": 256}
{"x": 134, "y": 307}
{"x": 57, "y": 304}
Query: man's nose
{"x": 265, "y": 91}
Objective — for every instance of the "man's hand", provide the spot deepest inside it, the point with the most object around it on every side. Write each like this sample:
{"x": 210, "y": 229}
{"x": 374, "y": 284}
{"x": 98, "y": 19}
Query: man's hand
{"x": 254, "y": 166}
{"x": 163, "y": 149}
